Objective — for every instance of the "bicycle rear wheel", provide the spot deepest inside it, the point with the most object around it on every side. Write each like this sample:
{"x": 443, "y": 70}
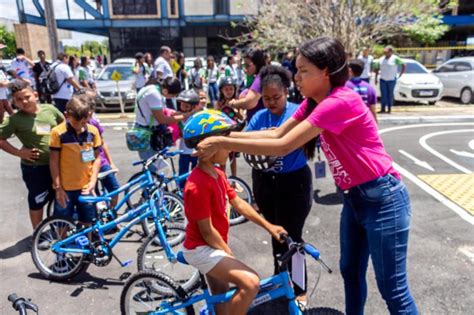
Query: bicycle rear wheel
{"x": 243, "y": 191}
{"x": 139, "y": 295}
{"x": 152, "y": 256}
{"x": 322, "y": 311}
{"x": 58, "y": 267}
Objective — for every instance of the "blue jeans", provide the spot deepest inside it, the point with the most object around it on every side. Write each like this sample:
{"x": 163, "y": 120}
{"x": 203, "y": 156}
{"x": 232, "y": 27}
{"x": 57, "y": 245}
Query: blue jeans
{"x": 386, "y": 93}
{"x": 186, "y": 160}
{"x": 375, "y": 221}
{"x": 213, "y": 92}
{"x": 86, "y": 212}
{"x": 110, "y": 181}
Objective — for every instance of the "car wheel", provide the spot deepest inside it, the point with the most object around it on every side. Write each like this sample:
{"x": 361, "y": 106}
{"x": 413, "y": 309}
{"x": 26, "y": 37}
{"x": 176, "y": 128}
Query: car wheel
{"x": 466, "y": 96}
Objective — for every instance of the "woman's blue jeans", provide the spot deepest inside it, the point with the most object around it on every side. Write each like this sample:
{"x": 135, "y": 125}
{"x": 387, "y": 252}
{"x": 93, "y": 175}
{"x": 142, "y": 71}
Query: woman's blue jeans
{"x": 375, "y": 221}
{"x": 387, "y": 98}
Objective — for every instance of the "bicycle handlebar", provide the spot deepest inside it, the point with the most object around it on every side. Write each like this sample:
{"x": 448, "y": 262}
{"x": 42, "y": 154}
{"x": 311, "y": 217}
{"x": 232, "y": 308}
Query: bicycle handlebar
{"x": 21, "y": 304}
{"x": 164, "y": 152}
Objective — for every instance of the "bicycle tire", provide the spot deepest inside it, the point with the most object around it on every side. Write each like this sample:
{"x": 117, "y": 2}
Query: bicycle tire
{"x": 175, "y": 208}
{"x": 151, "y": 256}
{"x": 322, "y": 311}
{"x": 147, "y": 277}
{"x": 47, "y": 270}
{"x": 236, "y": 218}
{"x": 130, "y": 203}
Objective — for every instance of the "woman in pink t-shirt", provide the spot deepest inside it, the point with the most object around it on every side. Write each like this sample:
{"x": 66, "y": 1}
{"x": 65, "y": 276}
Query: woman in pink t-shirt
{"x": 376, "y": 215}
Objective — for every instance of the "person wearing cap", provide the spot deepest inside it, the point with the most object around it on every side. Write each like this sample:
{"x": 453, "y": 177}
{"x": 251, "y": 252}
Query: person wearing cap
{"x": 4, "y": 84}
{"x": 141, "y": 70}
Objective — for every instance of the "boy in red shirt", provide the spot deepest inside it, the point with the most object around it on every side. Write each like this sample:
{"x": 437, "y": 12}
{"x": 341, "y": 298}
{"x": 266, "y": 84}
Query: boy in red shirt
{"x": 206, "y": 194}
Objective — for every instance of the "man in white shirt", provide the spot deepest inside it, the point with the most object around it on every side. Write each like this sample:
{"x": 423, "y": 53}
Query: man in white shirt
{"x": 4, "y": 84}
{"x": 368, "y": 59}
{"x": 23, "y": 66}
{"x": 65, "y": 78}
{"x": 162, "y": 67}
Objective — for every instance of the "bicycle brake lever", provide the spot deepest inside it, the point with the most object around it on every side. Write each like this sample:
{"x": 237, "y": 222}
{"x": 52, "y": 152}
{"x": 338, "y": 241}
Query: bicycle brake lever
{"x": 323, "y": 264}
{"x": 30, "y": 305}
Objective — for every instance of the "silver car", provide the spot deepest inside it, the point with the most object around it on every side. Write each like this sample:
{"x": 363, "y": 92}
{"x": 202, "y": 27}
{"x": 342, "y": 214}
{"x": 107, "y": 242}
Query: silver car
{"x": 457, "y": 76}
{"x": 108, "y": 98}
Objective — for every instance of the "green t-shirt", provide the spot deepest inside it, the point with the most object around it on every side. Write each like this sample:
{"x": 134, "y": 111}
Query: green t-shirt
{"x": 33, "y": 130}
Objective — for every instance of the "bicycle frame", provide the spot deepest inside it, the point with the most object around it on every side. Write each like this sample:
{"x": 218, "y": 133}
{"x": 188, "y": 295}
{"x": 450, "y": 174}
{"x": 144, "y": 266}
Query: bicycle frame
{"x": 271, "y": 288}
{"x": 132, "y": 216}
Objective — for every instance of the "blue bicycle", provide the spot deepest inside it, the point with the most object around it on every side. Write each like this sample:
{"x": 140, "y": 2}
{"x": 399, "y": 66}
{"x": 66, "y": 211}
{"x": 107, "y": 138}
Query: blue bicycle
{"x": 62, "y": 248}
{"x": 140, "y": 296}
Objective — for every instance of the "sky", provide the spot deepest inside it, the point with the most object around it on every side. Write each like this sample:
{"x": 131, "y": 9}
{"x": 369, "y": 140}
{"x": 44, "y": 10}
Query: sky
{"x": 9, "y": 10}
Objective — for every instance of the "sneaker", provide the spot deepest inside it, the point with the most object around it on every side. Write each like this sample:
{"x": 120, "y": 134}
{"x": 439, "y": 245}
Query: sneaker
{"x": 238, "y": 189}
{"x": 60, "y": 266}
{"x": 45, "y": 240}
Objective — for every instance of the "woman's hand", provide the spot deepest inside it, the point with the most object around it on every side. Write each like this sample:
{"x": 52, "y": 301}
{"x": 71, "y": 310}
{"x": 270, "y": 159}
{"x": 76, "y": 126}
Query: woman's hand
{"x": 276, "y": 231}
{"x": 207, "y": 147}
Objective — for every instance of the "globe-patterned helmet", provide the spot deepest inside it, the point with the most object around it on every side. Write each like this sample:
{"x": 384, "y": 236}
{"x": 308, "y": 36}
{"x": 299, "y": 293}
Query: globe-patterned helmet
{"x": 204, "y": 124}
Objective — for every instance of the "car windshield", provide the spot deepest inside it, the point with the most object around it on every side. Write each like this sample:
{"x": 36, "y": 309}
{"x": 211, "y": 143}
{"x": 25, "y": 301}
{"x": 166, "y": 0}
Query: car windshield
{"x": 413, "y": 67}
{"x": 125, "y": 71}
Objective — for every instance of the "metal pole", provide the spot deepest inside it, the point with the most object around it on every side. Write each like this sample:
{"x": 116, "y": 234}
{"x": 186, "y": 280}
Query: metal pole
{"x": 51, "y": 25}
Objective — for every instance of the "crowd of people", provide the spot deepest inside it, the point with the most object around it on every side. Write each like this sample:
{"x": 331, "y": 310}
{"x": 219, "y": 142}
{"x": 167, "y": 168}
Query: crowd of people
{"x": 63, "y": 150}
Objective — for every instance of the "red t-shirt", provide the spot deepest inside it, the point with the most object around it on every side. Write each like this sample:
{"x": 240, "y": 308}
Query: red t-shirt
{"x": 206, "y": 197}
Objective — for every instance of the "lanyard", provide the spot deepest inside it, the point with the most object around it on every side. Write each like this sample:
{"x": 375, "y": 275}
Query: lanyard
{"x": 280, "y": 120}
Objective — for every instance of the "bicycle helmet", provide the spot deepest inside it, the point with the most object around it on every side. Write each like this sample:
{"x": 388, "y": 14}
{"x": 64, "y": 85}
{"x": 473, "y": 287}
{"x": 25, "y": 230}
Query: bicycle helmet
{"x": 227, "y": 81}
{"x": 188, "y": 96}
{"x": 206, "y": 123}
{"x": 260, "y": 162}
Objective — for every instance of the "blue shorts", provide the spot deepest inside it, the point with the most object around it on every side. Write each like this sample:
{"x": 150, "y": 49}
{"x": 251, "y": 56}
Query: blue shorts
{"x": 109, "y": 182}
{"x": 38, "y": 181}
{"x": 86, "y": 212}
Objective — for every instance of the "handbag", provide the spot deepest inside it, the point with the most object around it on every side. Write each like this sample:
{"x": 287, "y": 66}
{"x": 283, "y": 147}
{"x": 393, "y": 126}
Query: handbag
{"x": 138, "y": 138}
{"x": 161, "y": 138}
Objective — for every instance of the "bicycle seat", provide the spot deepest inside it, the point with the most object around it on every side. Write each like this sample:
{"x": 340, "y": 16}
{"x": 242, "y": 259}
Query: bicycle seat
{"x": 102, "y": 175}
{"x": 180, "y": 258}
{"x": 94, "y": 199}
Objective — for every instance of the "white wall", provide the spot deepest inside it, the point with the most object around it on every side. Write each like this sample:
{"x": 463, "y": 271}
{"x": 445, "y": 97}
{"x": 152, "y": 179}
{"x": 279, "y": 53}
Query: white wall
{"x": 243, "y": 7}
{"x": 198, "y": 7}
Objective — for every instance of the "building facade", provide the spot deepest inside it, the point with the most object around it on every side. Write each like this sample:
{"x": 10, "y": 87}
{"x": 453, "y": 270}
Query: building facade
{"x": 196, "y": 27}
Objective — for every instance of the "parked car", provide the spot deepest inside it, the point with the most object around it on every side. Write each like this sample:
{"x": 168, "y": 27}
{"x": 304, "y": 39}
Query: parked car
{"x": 457, "y": 76}
{"x": 127, "y": 61}
{"x": 108, "y": 98}
{"x": 417, "y": 84}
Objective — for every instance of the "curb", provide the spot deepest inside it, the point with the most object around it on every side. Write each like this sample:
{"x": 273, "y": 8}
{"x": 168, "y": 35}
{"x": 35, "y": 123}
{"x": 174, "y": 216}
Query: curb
{"x": 392, "y": 119}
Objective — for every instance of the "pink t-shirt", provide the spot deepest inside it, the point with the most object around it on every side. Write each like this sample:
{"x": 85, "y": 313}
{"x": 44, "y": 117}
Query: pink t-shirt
{"x": 349, "y": 140}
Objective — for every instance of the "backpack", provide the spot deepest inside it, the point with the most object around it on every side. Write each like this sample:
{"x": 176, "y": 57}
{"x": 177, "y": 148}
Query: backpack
{"x": 48, "y": 81}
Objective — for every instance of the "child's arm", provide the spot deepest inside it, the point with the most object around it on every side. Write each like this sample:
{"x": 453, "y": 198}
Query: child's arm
{"x": 212, "y": 236}
{"x": 30, "y": 155}
{"x": 61, "y": 195}
{"x": 105, "y": 147}
{"x": 249, "y": 212}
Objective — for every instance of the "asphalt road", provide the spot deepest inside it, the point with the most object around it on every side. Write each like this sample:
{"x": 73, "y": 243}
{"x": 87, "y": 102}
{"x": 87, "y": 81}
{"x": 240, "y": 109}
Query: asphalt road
{"x": 441, "y": 249}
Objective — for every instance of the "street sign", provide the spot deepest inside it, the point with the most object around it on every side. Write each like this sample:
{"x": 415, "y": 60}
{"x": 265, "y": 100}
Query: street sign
{"x": 116, "y": 76}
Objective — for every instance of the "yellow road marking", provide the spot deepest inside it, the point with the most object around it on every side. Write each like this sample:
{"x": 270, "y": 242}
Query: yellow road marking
{"x": 457, "y": 187}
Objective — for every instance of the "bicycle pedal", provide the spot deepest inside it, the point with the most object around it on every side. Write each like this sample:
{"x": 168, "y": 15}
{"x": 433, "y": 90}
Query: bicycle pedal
{"x": 127, "y": 263}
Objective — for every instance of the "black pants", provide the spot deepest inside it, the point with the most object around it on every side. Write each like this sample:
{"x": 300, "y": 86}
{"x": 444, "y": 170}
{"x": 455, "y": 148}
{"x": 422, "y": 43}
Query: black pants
{"x": 284, "y": 199}
{"x": 60, "y": 104}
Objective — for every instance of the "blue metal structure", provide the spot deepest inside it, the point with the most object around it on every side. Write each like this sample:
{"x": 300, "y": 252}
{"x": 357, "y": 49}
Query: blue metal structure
{"x": 102, "y": 19}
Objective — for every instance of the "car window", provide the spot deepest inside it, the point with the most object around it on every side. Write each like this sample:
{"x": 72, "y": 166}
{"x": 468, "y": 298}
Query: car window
{"x": 126, "y": 73}
{"x": 462, "y": 66}
{"x": 449, "y": 67}
{"x": 413, "y": 67}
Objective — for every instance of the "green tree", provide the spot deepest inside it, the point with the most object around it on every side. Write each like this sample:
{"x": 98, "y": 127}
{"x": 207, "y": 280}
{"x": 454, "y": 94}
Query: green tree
{"x": 282, "y": 25}
{"x": 427, "y": 29}
{"x": 8, "y": 39}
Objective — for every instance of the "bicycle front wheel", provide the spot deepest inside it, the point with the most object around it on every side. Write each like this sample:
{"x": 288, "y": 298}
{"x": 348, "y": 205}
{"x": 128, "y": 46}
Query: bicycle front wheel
{"x": 152, "y": 256}
{"x": 322, "y": 311}
{"x": 243, "y": 191}
{"x": 174, "y": 205}
{"x": 140, "y": 294}
{"x": 55, "y": 266}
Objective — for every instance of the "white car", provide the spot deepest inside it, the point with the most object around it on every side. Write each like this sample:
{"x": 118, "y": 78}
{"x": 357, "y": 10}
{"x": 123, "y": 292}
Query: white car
{"x": 457, "y": 76}
{"x": 127, "y": 61}
{"x": 417, "y": 84}
{"x": 108, "y": 98}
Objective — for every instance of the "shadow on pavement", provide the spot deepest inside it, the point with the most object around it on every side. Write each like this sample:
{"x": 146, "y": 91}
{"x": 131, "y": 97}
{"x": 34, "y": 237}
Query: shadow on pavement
{"x": 334, "y": 198}
{"x": 21, "y": 246}
{"x": 87, "y": 281}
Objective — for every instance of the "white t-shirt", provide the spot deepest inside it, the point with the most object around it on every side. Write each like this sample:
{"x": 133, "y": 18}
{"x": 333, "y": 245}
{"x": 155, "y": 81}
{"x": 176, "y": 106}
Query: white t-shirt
{"x": 63, "y": 72}
{"x": 212, "y": 74}
{"x": 148, "y": 99}
{"x": 3, "y": 90}
{"x": 23, "y": 70}
{"x": 141, "y": 77}
{"x": 389, "y": 67}
{"x": 367, "y": 63}
{"x": 163, "y": 66}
